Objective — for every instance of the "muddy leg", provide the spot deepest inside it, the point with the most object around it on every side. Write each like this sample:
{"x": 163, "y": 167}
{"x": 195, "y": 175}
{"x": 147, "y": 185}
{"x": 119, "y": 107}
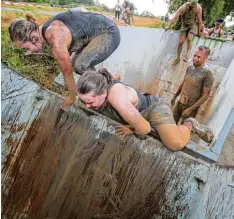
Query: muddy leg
{"x": 97, "y": 50}
{"x": 177, "y": 112}
{"x": 179, "y": 49}
{"x": 189, "y": 46}
{"x": 161, "y": 119}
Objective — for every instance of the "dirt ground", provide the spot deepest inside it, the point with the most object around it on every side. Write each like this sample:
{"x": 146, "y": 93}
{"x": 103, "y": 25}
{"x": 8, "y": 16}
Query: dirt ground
{"x": 10, "y": 12}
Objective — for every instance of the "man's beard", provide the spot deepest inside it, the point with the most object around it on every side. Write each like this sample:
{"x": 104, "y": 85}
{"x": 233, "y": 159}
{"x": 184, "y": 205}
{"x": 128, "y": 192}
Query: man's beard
{"x": 196, "y": 65}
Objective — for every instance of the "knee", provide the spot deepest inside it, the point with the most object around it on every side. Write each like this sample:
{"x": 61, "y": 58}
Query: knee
{"x": 181, "y": 41}
{"x": 175, "y": 145}
{"x": 190, "y": 40}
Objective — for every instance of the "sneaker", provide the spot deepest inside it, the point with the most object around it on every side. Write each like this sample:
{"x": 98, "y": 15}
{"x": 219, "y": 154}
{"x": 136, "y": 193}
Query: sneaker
{"x": 202, "y": 131}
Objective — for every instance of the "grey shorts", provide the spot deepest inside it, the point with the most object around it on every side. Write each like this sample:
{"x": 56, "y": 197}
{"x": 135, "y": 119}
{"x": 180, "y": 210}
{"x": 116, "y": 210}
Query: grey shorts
{"x": 185, "y": 30}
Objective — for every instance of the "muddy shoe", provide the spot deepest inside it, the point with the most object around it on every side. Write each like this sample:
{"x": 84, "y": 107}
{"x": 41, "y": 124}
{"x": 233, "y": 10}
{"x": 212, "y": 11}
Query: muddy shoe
{"x": 201, "y": 131}
{"x": 177, "y": 60}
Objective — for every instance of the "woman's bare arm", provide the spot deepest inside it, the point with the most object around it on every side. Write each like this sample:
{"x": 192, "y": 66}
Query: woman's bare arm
{"x": 57, "y": 37}
{"x": 119, "y": 100}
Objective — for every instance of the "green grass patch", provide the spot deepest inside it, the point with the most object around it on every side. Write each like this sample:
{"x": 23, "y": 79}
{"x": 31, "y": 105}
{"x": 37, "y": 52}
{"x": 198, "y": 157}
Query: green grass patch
{"x": 41, "y": 68}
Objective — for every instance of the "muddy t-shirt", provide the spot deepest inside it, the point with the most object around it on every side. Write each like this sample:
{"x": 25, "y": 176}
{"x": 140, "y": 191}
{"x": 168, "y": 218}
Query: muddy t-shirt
{"x": 194, "y": 82}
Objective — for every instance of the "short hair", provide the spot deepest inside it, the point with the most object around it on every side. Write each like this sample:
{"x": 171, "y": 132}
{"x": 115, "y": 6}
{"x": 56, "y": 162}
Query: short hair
{"x": 205, "y": 49}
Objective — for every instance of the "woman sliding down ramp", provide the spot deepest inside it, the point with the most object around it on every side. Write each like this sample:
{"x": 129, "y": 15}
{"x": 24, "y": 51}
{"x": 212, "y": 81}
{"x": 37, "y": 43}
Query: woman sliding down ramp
{"x": 142, "y": 112}
{"x": 78, "y": 40}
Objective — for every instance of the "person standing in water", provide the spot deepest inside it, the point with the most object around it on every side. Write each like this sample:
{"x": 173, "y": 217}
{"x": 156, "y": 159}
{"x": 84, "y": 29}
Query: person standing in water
{"x": 191, "y": 17}
{"x": 78, "y": 41}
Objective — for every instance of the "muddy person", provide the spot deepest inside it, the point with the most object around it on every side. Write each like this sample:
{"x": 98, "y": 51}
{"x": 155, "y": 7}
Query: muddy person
{"x": 191, "y": 19}
{"x": 217, "y": 32}
{"x": 78, "y": 41}
{"x": 139, "y": 113}
{"x": 127, "y": 15}
{"x": 196, "y": 87}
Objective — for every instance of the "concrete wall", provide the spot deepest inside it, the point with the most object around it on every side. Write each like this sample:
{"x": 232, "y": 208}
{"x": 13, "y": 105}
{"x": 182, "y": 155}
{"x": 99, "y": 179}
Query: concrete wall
{"x": 71, "y": 165}
{"x": 145, "y": 58}
{"x": 227, "y": 154}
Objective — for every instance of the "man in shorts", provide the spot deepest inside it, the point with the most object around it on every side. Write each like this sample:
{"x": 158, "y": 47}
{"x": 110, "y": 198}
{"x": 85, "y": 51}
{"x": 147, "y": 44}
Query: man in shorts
{"x": 191, "y": 17}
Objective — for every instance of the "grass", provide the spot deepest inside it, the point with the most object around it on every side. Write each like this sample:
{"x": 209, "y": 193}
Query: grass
{"x": 41, "y": 68}
{"x": 95, "y": 8}
{"x": 35, "y": 7}
{"x": 156, "y": 25}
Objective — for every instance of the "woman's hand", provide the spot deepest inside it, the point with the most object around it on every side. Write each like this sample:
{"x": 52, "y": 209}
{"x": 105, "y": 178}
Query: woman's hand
{"x": 67, "y": 102}
{"x": 123, "y": 130}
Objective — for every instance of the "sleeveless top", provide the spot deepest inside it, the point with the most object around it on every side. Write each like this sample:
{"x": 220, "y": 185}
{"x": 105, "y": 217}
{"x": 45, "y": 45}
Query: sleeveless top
{"x": 189, "y": 16}
{"x": 145, "y": 99}
{"x": 213, "y": 34}
{"x": 82, "y": 25}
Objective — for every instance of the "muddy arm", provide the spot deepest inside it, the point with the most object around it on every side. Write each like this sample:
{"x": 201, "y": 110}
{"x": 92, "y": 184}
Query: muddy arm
{"x": 61, "y": 55}
{"x": 117, "y": 98}
{"x": 204, "y": 97}
{"x": 179, "y": 12}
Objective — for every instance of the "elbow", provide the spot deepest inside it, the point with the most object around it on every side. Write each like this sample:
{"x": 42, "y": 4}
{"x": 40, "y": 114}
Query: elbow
{"x": 144, "y": 130}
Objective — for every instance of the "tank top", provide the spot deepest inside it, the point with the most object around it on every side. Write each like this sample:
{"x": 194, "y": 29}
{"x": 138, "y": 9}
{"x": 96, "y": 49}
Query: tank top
{"x": 82, "y": 25}
{"x": 213, "y": 34}
{"x": 189, "y": 16}
{"x": 145, "y": 99}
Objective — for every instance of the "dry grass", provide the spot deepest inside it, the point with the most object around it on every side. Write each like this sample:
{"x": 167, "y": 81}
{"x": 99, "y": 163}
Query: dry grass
{"x": 7, "y": 17}
{"x": 143, "y": 22}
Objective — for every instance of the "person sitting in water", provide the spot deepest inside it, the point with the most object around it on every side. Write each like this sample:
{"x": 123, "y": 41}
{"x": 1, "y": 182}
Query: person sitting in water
{"x": 141, "y": 113}
{"x": 78, "y": 40}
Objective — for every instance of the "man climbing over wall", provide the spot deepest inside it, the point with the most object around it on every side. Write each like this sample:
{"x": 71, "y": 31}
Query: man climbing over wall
{"x": 191, "y": 17}
{"x": 196, "y": 87}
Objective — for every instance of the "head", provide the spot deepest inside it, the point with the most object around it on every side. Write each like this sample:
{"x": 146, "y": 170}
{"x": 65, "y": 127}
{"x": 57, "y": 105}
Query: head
{"x": 93, "y": 87}
{"x": 219, "y": 23}
{"x": 25, "y": 33}
{"x": 192, "y": 3}
{"x": 200, "y": 56}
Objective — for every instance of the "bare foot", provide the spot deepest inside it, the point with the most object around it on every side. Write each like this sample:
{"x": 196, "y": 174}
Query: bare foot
{"x": 117, "y": 76}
